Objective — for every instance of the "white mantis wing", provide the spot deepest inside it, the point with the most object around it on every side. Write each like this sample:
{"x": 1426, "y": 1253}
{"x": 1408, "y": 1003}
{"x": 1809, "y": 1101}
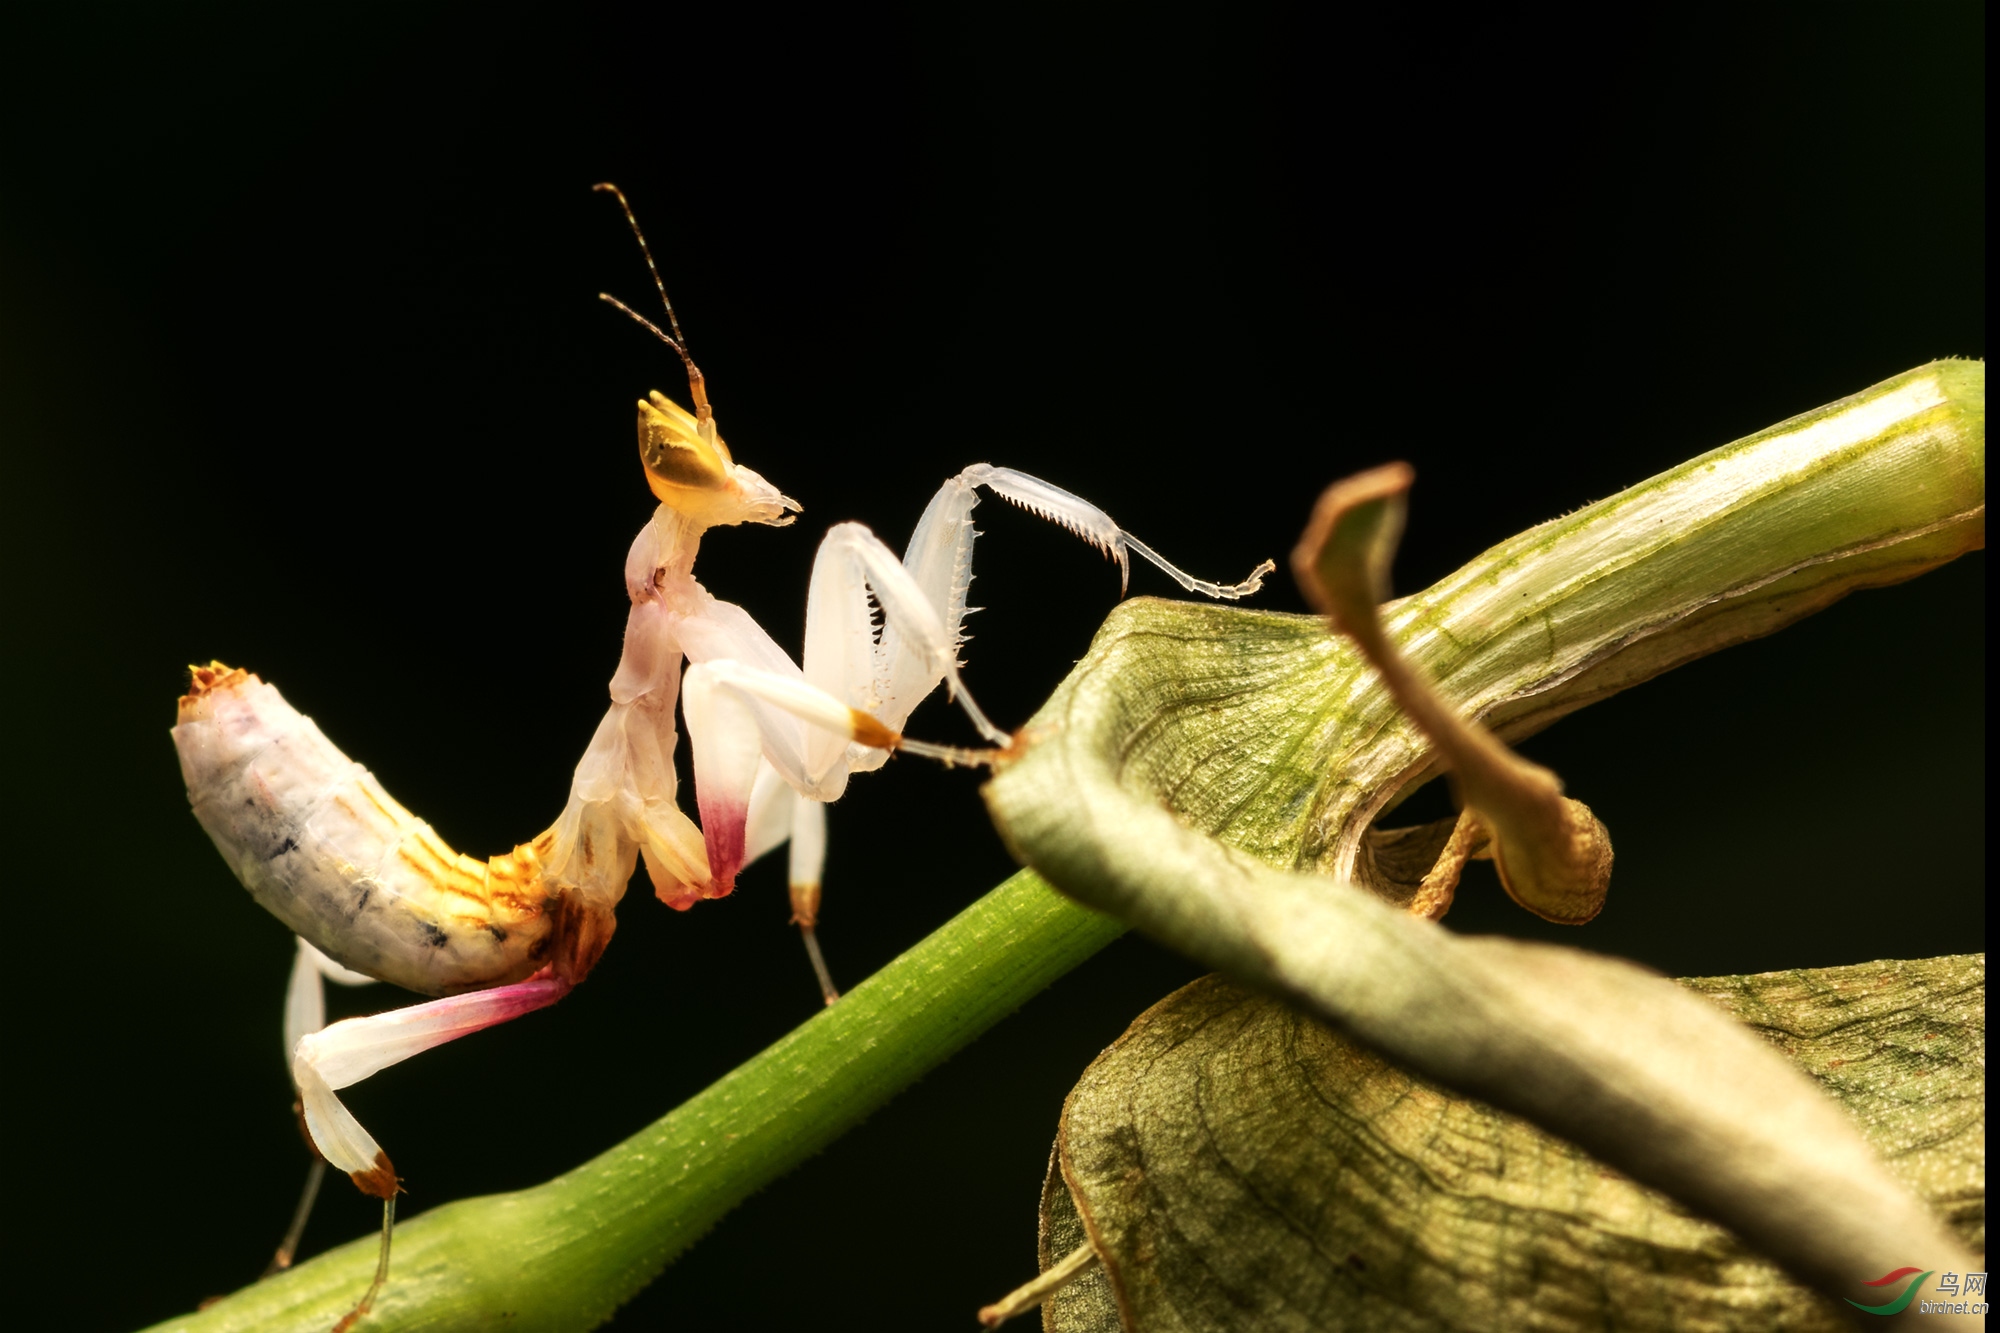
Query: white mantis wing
{"x": 772, "y": 814}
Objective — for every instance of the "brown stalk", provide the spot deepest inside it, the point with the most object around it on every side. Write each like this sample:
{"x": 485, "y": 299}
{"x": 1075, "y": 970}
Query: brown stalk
{"x": 1553, "y": 854}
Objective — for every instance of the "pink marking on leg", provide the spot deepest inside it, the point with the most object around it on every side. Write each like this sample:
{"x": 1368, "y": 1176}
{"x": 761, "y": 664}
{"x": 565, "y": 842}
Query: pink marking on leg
{"x": 502, "y": 1004}
{"x": 457, "y": 1016}
{"x": 355, "y": 1048}
{"x": 723, "y": 825}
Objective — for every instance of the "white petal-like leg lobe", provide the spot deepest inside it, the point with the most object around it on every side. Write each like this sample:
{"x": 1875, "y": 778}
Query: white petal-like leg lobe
{"x": 340, "y": 1137}
{"x": 305, "y": 999}
{"x": 727, "y": 746}
{"x": 770, "y": 821}
{"x": 305, "y": 1012}
{"x": 732, "y": 709}
{"x": 724, "y": 734}
{"x": 351, "y": 1050}
{"x": 724, "y": 629}
{"x": 800, "y": 700}
{"x": 356, "y": 1048}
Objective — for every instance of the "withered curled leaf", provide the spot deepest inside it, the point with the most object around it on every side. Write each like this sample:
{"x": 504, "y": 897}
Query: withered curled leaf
{"x": 1241, "y": 1166}
{"x": 1215, "y": 778}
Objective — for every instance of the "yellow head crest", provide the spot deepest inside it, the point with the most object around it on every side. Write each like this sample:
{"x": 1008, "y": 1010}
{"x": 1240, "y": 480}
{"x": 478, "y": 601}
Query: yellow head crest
{"x": 687, "y": 464}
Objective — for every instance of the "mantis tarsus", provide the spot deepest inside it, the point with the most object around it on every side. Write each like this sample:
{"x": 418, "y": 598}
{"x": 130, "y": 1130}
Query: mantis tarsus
{"x": 374, "y": 894}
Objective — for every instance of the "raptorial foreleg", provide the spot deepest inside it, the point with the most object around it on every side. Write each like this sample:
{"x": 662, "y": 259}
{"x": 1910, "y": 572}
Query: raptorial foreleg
{"x": 885, "y": 674}
{"x": 939, "y": 559}
{"x": 1092, "y": 524}
{"x": 622, "y": 800}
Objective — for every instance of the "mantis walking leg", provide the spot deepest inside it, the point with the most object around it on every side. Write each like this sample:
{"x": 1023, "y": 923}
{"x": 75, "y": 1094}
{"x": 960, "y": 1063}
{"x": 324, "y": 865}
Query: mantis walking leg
{"x": 779, "y": 814}
{"x": 305, "y": 1011}
{"x": 349, "y": 1051}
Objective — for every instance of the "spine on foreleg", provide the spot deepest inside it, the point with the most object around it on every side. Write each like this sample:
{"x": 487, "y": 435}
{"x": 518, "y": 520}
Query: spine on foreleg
{"x": 317, "y": 842}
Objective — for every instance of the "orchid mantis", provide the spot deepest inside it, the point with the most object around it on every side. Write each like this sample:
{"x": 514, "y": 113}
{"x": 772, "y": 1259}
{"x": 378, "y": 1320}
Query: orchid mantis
{"x": 374, "y": 893}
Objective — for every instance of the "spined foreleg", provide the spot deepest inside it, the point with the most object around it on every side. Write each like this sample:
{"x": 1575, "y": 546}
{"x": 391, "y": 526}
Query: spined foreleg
{"x": 939, "y": 562}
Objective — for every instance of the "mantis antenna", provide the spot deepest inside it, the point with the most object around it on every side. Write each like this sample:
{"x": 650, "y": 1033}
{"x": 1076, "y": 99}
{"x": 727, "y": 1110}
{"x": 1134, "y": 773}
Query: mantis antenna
{"x": 677, "y": 340}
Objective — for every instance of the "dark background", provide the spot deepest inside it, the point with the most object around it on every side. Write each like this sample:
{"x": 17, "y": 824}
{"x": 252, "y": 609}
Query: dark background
{"x": 304, "y": 369}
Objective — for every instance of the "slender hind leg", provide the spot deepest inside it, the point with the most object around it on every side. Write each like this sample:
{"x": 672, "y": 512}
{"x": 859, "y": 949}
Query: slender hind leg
{"x": 367, "y": 1301}
{"x": 305, "y": 1011}
{"x": 351, "y": 1050}
{"x": 308, "y": 1196}
{"x": 808, "y": 861}
{"x": 779, "y": 814}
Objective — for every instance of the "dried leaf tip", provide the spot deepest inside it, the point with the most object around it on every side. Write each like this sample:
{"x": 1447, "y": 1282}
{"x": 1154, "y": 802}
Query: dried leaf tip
{"x": 1553, "y": 854}
{"x": 1342, "y": 561}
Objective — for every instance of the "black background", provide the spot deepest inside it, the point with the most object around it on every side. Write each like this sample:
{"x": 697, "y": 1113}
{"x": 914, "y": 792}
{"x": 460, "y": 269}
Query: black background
{"x": 304, "y": 369}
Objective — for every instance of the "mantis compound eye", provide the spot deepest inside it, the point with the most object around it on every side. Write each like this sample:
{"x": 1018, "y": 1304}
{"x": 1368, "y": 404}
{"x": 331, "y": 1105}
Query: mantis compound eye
{"x": 678, "y": 455}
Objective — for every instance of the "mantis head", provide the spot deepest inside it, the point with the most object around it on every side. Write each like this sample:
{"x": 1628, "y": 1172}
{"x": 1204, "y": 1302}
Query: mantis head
{"x": 687, "y": 464}
{"x": 689, "y": 468}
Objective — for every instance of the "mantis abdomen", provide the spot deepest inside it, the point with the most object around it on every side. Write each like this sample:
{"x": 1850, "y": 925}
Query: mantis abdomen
{"x": 326, "y": 850}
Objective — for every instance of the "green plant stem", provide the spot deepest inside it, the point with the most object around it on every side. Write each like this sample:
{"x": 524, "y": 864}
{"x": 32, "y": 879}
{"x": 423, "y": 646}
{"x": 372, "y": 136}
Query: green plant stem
{"x": 564, "y": 1255}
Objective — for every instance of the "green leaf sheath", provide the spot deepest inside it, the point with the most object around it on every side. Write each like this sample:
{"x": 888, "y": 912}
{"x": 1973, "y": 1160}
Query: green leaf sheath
{"x": 565, "y": 1254}
{"x": 1276, "y": 738}
{"x": 1284, "y": 743}
{"x": 1196, "y": 756}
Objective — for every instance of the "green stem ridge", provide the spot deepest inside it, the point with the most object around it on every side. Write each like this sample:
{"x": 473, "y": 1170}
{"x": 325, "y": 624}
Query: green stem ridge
{"x": 565, "y": 1254}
